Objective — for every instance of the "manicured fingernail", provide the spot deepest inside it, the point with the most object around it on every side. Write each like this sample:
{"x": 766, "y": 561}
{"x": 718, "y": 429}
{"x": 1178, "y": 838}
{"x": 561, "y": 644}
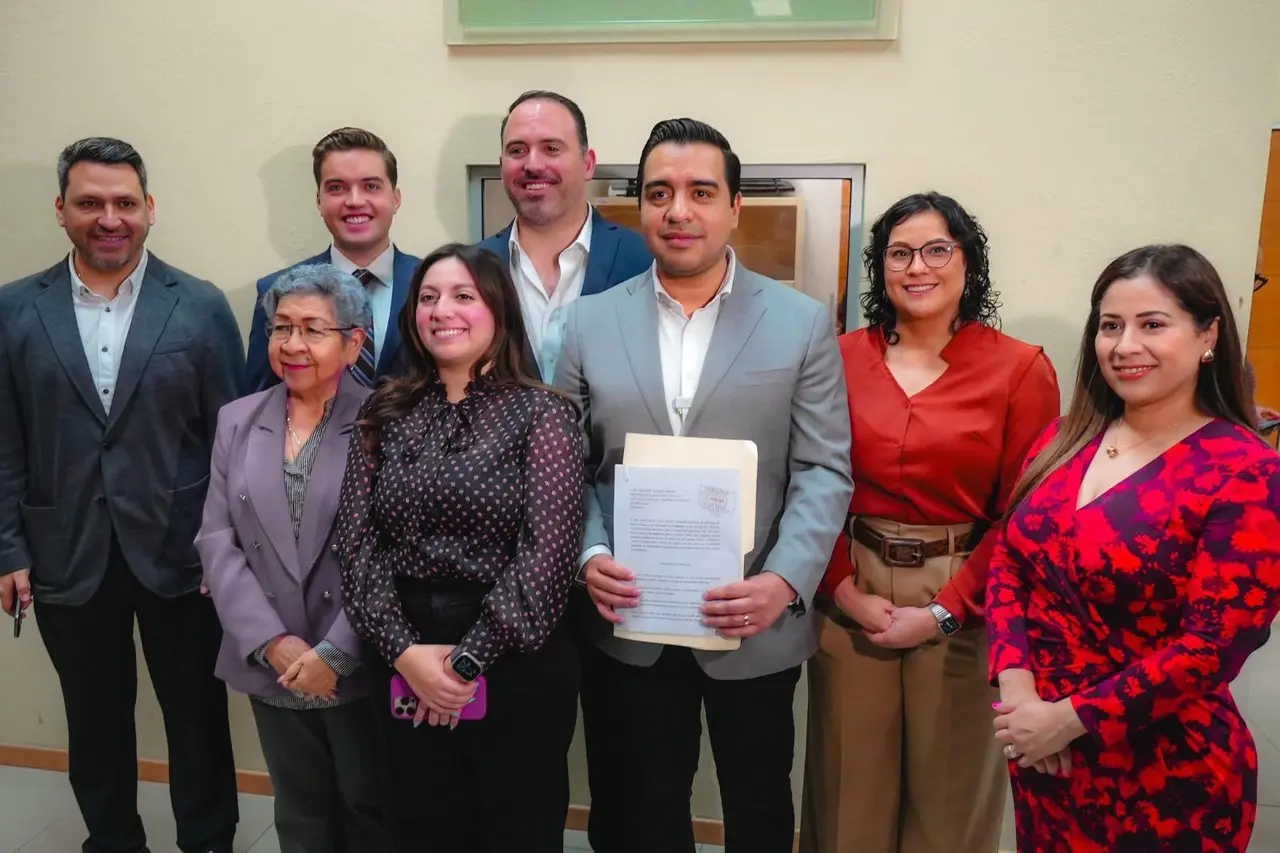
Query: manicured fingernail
{"x": 995, "y": 706}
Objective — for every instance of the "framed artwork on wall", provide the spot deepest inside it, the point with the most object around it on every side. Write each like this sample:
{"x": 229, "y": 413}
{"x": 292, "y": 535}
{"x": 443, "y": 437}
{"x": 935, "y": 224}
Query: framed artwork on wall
{"x": 477, "y": 22}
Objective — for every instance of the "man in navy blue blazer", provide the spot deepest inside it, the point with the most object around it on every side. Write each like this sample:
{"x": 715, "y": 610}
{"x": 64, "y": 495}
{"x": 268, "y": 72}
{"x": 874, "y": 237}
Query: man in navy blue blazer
{"x": 558, "y": 247}
{"x": 357, "y": 197}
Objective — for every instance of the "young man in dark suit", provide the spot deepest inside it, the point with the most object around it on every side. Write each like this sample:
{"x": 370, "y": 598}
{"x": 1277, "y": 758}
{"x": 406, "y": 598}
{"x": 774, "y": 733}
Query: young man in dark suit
{"x": 357, "y": 196}
{"x": 113, "y": 366}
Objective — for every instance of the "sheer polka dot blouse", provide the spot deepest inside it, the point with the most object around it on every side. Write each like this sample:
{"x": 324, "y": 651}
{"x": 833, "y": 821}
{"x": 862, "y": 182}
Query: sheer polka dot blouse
{"x": 488, "y": 490}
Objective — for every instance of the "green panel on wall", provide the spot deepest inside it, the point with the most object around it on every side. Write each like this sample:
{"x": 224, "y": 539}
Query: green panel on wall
{"x": 665, "y": 13}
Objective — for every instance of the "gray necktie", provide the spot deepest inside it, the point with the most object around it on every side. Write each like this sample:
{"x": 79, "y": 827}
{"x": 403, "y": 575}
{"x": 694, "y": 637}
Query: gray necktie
{"x": 366, "y": 365}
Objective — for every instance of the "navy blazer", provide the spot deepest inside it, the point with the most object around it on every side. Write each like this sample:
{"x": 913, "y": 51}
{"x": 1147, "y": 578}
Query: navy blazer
{"x": 616, "y": 253}
{"x": 258, "y": 370}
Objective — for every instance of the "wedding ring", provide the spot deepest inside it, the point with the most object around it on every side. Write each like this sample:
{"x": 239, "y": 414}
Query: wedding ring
{"x": 746, "y": 619}
{"x": 1010, "y": 753}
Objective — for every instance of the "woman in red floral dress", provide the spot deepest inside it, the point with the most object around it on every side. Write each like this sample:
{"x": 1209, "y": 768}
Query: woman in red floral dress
{"x": 1137, "y": 573}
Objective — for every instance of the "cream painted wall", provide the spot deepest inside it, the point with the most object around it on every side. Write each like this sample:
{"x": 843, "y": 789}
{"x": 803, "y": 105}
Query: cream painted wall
{"x": 1074, "y": 130}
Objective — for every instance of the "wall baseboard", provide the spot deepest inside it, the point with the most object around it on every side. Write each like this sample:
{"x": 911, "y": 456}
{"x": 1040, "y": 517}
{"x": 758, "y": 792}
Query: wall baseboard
{"x": 149, "y": 769}
{"x": 705, "y": 831}
{"x": 257, "y": 782}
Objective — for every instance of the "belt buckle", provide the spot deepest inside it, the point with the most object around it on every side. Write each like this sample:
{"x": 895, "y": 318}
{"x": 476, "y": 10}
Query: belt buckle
{"x": 907, "y": 553}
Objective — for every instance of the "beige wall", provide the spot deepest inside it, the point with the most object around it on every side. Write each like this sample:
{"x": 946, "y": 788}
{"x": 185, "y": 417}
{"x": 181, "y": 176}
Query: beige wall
{"x": 1074, "y": 130}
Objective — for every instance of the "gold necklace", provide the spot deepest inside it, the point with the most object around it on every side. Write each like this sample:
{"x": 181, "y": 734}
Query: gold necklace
{"x": 1113, "y": 450}
{"x": 293, "y": 436}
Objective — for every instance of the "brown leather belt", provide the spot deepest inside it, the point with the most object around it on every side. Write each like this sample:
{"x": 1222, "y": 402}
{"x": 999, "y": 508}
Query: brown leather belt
{"x": 907, "y": 553}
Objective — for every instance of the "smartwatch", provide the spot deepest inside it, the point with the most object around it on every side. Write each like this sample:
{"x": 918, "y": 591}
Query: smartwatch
{"x": 948, "y": 623}
{"x": 467, "y": 667}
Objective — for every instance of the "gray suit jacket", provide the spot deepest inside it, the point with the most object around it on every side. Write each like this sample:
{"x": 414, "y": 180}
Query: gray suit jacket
{"x": 70, "y": 474}
{"x": 772, "y": 375}
{"x": 265, "y": 583}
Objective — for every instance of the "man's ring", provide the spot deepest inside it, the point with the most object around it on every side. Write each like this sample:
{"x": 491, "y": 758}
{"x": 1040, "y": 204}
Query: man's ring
{"x": 1010, "y": 753}
{"x": 746, "y": 619}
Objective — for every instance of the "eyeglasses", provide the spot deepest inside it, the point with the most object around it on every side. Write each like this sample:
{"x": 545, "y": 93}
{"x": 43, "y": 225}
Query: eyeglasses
{"x": 934, "y": 254}
{"x": 310, "y": 334}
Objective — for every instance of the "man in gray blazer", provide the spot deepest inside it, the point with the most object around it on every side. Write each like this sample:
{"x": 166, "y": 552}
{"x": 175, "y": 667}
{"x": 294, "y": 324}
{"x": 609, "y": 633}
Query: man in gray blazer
{"x": 113, "y": 366}
{"x": 700, "y": 346}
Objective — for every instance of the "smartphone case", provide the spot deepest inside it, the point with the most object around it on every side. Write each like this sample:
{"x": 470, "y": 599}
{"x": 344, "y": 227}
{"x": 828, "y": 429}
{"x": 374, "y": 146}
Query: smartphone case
{"x": 404, "y": 702}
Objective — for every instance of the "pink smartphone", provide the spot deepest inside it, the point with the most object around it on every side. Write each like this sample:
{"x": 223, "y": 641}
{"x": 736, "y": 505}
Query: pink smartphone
{"x": 404, "y": 702}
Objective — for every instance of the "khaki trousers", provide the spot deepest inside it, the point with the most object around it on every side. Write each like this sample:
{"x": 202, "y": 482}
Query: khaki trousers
{"x": 901, "y": 757}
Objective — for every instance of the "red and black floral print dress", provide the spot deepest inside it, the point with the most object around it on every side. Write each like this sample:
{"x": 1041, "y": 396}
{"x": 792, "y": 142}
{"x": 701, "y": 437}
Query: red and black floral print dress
{"x": 1142, "y": 606}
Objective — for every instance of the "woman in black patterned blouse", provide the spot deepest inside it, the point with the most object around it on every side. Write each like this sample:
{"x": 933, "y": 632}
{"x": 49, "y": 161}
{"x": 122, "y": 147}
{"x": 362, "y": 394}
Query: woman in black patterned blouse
{"x": 458, "y": 531}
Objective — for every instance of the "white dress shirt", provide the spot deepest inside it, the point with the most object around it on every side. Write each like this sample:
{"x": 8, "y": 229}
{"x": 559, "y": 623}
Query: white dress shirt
{"x": 544, "y": 313}
{"x": 683, "y": 343}
{"x": 104, "y": 326}
{"x": 682, "y": 348}
{"x": 384, "y": 267}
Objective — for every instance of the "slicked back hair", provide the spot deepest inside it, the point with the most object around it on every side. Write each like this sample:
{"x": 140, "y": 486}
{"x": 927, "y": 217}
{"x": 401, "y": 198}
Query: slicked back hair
{"x": 579, "y": 120}
{"x": 353, "y": 139}
{"x": 688, "y": 131}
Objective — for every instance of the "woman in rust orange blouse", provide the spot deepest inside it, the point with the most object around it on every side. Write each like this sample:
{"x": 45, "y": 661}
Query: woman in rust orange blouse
{"x": 944, "y": 408}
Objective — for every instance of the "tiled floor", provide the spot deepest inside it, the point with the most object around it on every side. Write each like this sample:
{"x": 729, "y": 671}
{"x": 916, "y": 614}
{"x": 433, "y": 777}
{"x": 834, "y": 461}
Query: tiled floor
{"x": 38, "y": 814}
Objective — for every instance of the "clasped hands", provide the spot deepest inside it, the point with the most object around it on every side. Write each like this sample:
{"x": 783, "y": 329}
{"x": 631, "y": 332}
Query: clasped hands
{"x": 1036, "y": 733}
{"x": 884, "y": 624}
{"x": 441, "y": 692}
{"x": 741, "y": 609}
{"x": 301, "y": 668}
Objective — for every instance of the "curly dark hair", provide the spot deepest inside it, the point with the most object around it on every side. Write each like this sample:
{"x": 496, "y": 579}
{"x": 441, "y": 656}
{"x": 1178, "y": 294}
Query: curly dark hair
{"x": 978, "y": 303}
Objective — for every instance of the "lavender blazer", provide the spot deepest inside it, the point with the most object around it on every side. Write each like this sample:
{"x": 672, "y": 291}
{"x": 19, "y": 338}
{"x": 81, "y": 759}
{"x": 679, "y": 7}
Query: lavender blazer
{"x": 263, "y": 583}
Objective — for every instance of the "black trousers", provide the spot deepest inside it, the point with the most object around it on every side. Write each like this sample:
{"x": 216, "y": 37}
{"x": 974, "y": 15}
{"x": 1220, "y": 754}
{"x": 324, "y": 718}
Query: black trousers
{"x": 91, "y": 646}
{"x": 654, "y": 715}
{"x": 324, "y": 776}
{"x": 604, "y": 822}
{"x": 494, "y": 785}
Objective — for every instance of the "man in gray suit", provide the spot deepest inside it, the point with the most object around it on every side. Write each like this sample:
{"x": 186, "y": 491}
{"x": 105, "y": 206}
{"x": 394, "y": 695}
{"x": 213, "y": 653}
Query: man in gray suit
{"x": 701, "y": 346}
{"x": 113, "y": 366}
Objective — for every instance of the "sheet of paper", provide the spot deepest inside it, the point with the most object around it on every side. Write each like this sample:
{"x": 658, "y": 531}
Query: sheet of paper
{"x": 680, "y": 531}
{"x": 682, "y": 452}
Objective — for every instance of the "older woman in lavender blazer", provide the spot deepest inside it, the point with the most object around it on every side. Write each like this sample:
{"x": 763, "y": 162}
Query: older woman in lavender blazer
{"x": 269, "y": 565}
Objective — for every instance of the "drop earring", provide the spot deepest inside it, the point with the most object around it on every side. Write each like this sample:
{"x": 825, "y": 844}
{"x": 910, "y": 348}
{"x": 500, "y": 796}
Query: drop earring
{"x": 1207, "y": 358}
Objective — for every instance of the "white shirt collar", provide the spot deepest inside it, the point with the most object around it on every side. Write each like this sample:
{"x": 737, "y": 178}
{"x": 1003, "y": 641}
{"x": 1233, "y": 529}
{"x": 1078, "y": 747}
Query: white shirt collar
{"x": 383, "y": 266}
{"x": 726, "y": 286}
{"x": 583, "y": 240}
{"x": 128, "y": 287}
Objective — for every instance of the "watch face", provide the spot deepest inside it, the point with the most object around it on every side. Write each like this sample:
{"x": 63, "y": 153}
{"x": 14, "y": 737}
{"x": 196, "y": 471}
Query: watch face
{"x": 466, "y": 667}
{"x": 946, "y": 622}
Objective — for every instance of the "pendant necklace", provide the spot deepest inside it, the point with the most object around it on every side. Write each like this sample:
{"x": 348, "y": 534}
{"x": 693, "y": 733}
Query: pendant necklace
{"x": 1113, "y": 450}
